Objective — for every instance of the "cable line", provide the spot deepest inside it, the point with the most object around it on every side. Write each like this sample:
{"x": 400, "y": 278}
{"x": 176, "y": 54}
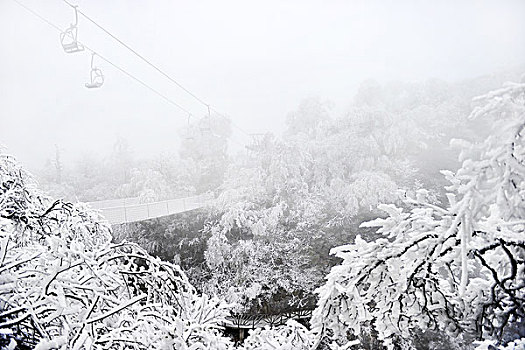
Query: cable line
{"x": 122, "y": 70}
{"x": 39, "y": 16}
{"x": 154, "y": 66}
{"x": 167, "y": 99}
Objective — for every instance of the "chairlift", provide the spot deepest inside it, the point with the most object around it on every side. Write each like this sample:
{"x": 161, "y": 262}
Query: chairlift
{"x": 190, "y": 135}
{"x": 97, "y": 78}
{"x": 190, "y": 132}
{"x": 206, "y": 129}
{"x": 68, "y": 38}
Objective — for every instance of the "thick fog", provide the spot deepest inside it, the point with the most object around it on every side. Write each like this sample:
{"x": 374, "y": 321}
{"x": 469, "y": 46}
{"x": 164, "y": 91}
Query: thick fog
{"x": 242, "y": 175}
{"x": 252, "y": 61}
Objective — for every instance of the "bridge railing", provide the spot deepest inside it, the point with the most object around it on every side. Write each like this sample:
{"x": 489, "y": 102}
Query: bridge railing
{"x": 127, "y": 210}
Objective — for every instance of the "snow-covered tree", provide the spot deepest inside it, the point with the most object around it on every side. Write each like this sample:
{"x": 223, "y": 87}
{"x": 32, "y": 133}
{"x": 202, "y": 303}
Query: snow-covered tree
{"x": 308, "y": 117}
{"x": 64, "y": 285}
{"x": 291, "y": 336}
{"x": 458, "y": 268}
{"x": 278, "y": 215}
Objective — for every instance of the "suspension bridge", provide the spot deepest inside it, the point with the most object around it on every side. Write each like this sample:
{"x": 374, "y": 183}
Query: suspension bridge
{"x": 126, "y": 210}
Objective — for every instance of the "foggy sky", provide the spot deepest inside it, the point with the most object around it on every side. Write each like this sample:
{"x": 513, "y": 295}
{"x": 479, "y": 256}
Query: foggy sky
{"x": 253, "y": 61}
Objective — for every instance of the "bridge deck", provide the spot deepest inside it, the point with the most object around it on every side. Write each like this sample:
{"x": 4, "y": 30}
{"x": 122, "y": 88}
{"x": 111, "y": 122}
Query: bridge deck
{"x": 119, "y": 211}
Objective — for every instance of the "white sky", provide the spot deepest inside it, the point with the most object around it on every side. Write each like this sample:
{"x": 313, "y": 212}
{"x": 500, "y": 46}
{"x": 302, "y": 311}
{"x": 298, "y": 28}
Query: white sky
{"x": 254, "y": 61}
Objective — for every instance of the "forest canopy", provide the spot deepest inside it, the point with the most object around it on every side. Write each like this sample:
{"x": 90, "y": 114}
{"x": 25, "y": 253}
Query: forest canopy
{"x": 417, "y": 255}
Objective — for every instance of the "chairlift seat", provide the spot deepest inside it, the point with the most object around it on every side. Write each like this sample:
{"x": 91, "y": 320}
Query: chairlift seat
{"x": 72, "y": 47}
{"x": 68, "y": 39}
{"x": 93, "y": 85}
{"x": 97, "y": 79}
{"x": 190, "y": 135}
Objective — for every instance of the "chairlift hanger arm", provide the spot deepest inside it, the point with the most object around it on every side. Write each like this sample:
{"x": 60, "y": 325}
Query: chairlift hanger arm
{"x": 75, "y": 7}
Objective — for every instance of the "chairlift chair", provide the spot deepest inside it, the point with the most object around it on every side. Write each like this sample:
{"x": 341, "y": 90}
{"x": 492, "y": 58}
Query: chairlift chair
{"x": 205, "y": 125}
{"x": 190, "y": 135}
{"x": 206, "y": 129}
{"x": 68, "y": 38}
{"x": 97, "y": 78}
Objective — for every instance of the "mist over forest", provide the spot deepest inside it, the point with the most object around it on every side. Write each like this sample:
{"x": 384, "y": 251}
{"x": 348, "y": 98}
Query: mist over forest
{"x": 372, "y": 196}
